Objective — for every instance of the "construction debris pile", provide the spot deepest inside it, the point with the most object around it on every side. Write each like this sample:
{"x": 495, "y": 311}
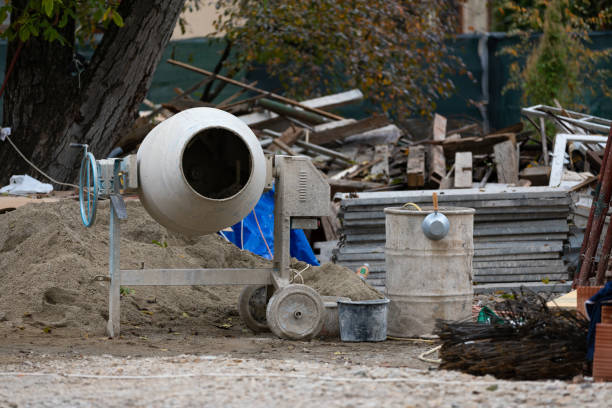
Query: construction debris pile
{"x": 533, "y": 343}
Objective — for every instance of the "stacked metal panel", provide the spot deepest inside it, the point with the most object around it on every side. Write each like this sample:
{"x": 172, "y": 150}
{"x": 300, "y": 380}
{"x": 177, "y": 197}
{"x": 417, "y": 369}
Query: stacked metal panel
{"x": 519, "y": 232}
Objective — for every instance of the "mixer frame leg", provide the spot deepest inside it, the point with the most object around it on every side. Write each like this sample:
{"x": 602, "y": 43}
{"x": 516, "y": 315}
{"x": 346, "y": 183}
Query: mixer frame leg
{"x": 282, "y": 233}
{"x": 114, "y": 294}
{"x": 113, "y": 326}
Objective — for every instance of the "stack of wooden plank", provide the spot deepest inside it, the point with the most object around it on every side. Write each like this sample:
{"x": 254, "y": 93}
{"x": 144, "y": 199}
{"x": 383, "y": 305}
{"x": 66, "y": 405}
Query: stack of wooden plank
{"x": 519, "y": 233}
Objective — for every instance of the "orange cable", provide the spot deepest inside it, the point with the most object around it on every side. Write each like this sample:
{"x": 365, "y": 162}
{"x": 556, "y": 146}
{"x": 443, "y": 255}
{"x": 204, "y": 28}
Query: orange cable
{"x": 262, "y": 235}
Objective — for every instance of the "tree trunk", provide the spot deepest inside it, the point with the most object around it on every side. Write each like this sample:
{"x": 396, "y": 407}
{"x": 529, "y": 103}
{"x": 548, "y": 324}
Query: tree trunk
{"x": 48, "y": 107}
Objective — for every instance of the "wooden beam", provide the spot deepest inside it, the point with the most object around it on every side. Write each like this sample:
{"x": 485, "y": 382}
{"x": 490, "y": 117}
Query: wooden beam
{"x": 506, "y": 162}
{"x": 476, "y": 145}
{"x": 463, "y": 170}
{"x": 290, "y": 135}
{"x": 437, "y": 162}
{"x": 270, "y": 95}
{"x": 415, "y": 168}
{"x": 382, "y": 167}
{"x": 284, "y": 147}
{"x": 341, "y": 132}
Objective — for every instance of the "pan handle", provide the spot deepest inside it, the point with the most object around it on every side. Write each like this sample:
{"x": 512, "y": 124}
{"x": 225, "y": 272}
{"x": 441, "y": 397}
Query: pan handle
{"x": 434, "y": 197}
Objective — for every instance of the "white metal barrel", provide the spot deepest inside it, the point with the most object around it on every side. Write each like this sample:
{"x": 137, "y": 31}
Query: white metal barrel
{"x": 427, "y": 280}
{"x": 200, "y": 171}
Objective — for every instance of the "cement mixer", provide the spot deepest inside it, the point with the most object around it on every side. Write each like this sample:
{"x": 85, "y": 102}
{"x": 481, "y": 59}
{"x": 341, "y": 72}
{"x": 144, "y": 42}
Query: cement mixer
{"x": 196, "y": 173}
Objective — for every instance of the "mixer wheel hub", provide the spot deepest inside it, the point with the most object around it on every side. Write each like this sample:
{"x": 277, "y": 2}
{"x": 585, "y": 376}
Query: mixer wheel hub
{"x": 295, "y": 312}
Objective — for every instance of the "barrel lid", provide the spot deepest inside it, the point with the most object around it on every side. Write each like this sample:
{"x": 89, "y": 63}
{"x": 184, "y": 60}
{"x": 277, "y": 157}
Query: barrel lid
{"x": 428, "y": 210}
{"x": 344, "y": 301}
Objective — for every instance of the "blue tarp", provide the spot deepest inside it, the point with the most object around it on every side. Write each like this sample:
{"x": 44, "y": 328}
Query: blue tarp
{"x": 251, "y": 237}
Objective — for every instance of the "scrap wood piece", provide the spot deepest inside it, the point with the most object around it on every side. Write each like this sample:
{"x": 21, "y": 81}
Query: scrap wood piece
{"x": 363, "y": 167}
{"x": 594, "y": 159}
{"x": 10, "y": 203}
{"x": 462, "y": 129}
{"x": 284, "y": 147}
{"x": 415, "y": 166}
{"x": 229, "y": 99}
{"x": 485, "y": 178}
{"x": 587, "y": 182}
{"x": 330, "y": 224}
{"x": 516, "y": 128}
{"x": 332, "y": 124}
{"x": 254, "y": 89}
{"x": 303, "y": 144}
{"x": 463, "y": 170}
{"x": 182, "y": 103}
{"x": 389, "y": 134}
{"x": 348, "y": 186}
{"x": 538, "y": 175}
{"x": 506, "y": 162}
{"x": 290, "y": 135}
{"x": 242, "y": 104}
{"x": 448, "y": 180}
{"x": 476, "y": 145}
{"x": 322, "y": 150}
{"x": 437, "y": 161}
{"x": 341, "y": 132}
{"x": 344, "y": 172}
{"x": 381, "y": 169}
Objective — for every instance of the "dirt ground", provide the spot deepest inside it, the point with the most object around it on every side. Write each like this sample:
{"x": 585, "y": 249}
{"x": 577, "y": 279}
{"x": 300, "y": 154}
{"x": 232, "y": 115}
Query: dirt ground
{"x": 186, "y": 346}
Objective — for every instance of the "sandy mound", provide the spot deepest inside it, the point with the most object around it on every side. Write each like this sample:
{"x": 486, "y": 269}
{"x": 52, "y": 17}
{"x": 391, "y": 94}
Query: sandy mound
{"x": 335, "y": 280}
{"x": 48, "y": 262}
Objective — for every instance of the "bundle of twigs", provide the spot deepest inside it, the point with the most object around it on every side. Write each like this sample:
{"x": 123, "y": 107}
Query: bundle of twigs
{"x": 534, "y": 343}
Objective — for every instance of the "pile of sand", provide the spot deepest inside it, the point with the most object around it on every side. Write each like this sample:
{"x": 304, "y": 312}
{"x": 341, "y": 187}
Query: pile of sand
{"x": 335, "y": 280}
{"x": 48, "y": 262}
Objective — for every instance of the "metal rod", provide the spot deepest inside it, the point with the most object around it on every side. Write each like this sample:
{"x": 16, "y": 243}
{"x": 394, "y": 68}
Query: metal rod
{"x": 587, "y": 231}
{"x": 600, "y": 210}
{"x": 312, "y": 147}
{"x": 255, "y": 89}
{"x": 603, "y": 259}
{"x": 188, "y": 277}
{"x": 544, "y": 141}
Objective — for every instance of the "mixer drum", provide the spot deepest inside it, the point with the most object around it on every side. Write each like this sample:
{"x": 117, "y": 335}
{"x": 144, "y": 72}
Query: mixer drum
{"x": 200, "y": 171}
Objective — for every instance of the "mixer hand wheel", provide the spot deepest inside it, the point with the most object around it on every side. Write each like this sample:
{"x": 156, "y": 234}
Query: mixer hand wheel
{"x": 89, "y": 186}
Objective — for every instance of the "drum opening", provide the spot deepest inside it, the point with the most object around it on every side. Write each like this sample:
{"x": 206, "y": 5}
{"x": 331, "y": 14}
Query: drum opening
{"x": 217, "y": 163}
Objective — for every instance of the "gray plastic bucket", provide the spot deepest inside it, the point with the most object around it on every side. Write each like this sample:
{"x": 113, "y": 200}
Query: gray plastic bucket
{"x": 364, "y": 320}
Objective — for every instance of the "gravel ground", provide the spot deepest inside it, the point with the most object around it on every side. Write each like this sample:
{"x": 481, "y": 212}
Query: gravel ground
{"x": 221, "y": 381}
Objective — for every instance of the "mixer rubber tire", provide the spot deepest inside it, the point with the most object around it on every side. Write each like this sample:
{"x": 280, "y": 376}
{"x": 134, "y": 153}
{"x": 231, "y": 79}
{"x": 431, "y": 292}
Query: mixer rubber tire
{"x": 295, "y": 312}
{"x": 252, "y": 308}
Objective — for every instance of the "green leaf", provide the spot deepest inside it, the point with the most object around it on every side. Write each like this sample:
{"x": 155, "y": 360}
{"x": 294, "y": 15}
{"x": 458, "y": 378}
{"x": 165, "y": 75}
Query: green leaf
{"x": 24, "y": 33}
{"x": 4, "y": 12}
{"x": 33, "y": 29}
{"x": 107, "y": 14}
{"x": 47, "y": 6}
{"x": 117, "y": 19}
{"x": 63, "y": 20}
